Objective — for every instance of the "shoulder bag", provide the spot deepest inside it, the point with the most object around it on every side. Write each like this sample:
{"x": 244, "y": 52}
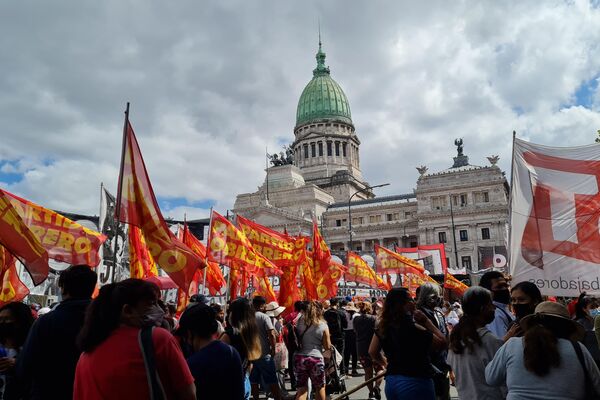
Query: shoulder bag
{"x": 155, "y": 386}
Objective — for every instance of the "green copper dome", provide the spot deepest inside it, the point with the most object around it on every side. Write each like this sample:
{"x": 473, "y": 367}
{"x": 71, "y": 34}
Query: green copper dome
{"x": 322, "y": 98}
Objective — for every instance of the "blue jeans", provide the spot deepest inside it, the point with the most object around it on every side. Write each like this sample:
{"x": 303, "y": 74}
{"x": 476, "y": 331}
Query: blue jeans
{"x": 247, "y": 388}
{"x": 263, "y": 371}
{"x": 400, "y": 387}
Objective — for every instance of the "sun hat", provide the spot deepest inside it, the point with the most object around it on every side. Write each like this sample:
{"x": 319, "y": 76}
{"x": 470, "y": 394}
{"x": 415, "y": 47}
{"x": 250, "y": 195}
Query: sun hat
{"x": 274, "y": 309}
{"x": 350, "y": 307}
{"x": 553, "y": 310}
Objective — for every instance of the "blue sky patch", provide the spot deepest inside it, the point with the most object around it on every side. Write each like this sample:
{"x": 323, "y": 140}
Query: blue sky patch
{"x": 169, "y": 203}
{"x": 584, "y": 95}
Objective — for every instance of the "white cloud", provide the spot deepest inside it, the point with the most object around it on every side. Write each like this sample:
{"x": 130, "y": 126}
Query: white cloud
{"x": 212, "y": 85}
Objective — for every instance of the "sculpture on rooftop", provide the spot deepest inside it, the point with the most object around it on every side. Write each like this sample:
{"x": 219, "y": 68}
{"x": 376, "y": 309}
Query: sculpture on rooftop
{"x": 281, "y": 158}
{"x": 422, "y": 170}
{"x": 459, "y": 146}
{"x": 493, "y": 160}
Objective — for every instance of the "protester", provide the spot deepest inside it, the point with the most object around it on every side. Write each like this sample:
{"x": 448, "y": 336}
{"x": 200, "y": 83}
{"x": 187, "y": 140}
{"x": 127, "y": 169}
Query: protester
{"x": 263, "y": 369}
{"x": 15, "y": 322}
{"x": 242, "y": 333}
{"x": 290, "y": 339}
{"x": 450, "y": 315}
{"x": 350, "y": 340}
{"x": 46, "y": 365}
{"x": 524, "y": 297}
{"x": 428, "y": 301}
{"x": 220, "y": 313}
{"x": 545, "y": 363}
{"x": 364, "y": 327}
{"x": 495, "y": 282}
{"x": 216, "y": 366}
{"x": 406, "y": 336}
{"x": 472, "y": 347}
{"x": 112, "y": 365}
{"x": 584, "y": 304}
{"x": 336, "y": 322}
{"x": 308, "y": 360}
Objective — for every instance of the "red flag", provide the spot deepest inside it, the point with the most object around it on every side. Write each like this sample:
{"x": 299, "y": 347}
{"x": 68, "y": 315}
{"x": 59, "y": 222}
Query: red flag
{"x": 21, "y": 241}
{"x": 141, "y": 263}
{"x": 321, "y": 253}
{"x": 228, "y": 245}
{"x": 138, "y": 206}
{"x": 450, "y": 282}
{"x": 328, "y": 286}
{"x": 388, "y": 280}
{"x": 214, "y": 277}
{"x": 12, "y": 288}
{"x": 263, "y": 288}
{"x": 63, "y": 239}
{"x": 387, "y": 260}
{"x": 359, "y": 271}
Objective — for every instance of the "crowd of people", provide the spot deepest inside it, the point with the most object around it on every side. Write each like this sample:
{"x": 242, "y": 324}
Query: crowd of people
{"x": 494, "y": 343}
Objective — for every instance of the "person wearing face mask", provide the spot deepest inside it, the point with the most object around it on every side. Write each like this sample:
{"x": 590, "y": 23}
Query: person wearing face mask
{"x": 583, "y": 307}
{"x": 472, "y": 347}
{"x": 524, "y": 297}
{"x": 428, "y": 301}
{"x": 15, "y": 322}
{"x": 216, "y": 366}
{"x": 495, "y": 282}
{"x": 406, "y": 337}
{"x": 117, "y": 362}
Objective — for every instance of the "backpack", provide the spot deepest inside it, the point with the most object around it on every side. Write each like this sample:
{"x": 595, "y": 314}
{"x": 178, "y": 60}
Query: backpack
{"x": 290, "y": 337}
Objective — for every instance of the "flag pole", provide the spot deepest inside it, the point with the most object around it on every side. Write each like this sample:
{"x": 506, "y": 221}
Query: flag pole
{"x": 512, "y": 179}
{"x": 206, "y": 266}
{"x": 267, "y": 170}
{"x": 119, "y": 192}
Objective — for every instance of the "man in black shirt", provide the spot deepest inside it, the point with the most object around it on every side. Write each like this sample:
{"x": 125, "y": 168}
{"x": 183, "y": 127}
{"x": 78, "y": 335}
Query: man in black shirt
{"x": 46, "y": 365}
{"x": 336, "y": 321}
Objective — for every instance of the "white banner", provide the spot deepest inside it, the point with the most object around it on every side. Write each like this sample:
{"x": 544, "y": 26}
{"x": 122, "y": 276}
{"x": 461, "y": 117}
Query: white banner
{"x": 555, "y": 210}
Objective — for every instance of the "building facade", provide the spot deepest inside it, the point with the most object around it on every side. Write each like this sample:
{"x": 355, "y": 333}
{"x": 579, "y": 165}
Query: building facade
{"x": 465, "y": 207}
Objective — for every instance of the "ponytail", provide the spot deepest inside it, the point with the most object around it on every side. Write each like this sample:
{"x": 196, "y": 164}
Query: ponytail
{"x": 464, "y": 335}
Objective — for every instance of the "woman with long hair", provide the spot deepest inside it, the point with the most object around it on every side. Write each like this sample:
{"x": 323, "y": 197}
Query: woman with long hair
{"x": 364, "y": 326}
{"x": 15, "y": 322}
{"x": 243, "y": 335}
{"x": 583, "y": 316}
{"x": 472, "y": 346}
{"x": 547, "y": 362}
{"x": 406, "y": 337}
{"x": 112, "y": 365}
{"x": 313, "y": 338}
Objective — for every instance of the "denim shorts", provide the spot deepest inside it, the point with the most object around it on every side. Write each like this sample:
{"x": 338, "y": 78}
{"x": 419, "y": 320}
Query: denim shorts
{"x": 263, "y": 371}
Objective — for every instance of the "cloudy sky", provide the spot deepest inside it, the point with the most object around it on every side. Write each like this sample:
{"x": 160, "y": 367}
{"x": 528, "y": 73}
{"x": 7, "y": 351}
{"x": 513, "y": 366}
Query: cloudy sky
{"x": 212, "y": 83}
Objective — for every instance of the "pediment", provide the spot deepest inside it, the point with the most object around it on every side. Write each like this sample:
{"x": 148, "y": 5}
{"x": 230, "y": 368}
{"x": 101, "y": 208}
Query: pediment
{"x": 274, "y": 217}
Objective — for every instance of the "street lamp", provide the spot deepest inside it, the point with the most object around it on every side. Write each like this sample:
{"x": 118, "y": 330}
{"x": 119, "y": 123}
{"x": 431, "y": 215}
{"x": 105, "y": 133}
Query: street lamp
{"x": 350, "y": 210}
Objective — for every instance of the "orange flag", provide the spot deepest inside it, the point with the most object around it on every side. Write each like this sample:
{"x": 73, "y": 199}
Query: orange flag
{"x": 141, "y": 263}
{"x": 328, "y": 286}
{"x": 214, "y": 277}
{"x": 389, "y": 261}
{"x": 359, "y": 271}
{"x": 12, "y": 287}
{"x": 450, "y": 282}
{"x": 263, "y": 288}
{"x": 284, "y": 251}
{"x": 138, "y": 206}
{"x": 388, "y": 280}
{"x": 308, "y": 279}
{"x": 228, "y": 245}
{"x": 63, "y": 239}
{"x": 21, "y": 241}
{"x": 321, "y": 254}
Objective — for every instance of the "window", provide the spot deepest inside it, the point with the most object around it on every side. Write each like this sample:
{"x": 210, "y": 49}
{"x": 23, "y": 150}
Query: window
{"x": 482, "y": 197}
{"x": 338, "y": 222}
{"x": 485, "y": 233}
{"x": 337, "y": 149}
{"x": 438, "y": 202}
{"x": 389, "y": 217}
{"x": 329, "y": 152}
{"x": 374, "y": 219}
{"x": 344, "y": 149}
{"x": 320, "y": 149}
{"x": 464, "y": 236}
{"x": 313, "y": 150}
{"x": 442, "y": 237}
{"x": 459, "y": 200}
{"x": 358, "y": 221}
{"x": 406, "y": 215}
{"x": 466, "y": 262}
{"x": 305, "y": 151}
{"x": 414, "y": 244}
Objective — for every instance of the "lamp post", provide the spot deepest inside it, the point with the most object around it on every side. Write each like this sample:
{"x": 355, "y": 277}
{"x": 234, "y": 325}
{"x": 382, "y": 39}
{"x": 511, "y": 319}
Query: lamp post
{"x": 350, "y": 209}
{"x": 453, "y": 233}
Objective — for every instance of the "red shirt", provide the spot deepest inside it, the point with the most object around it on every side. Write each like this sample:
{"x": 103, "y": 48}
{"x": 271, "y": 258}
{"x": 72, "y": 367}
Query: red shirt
{"x": 115, "y": 369}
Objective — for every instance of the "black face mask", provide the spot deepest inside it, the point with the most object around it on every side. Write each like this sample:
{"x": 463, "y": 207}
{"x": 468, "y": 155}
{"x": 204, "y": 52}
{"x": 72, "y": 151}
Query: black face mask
{"x": 7, "y": 330}
{"x": 522, "y": 310}
{"x": 501, "y": 296}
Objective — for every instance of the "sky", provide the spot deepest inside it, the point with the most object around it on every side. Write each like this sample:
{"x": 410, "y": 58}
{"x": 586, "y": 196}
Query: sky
{"x": 214, "y": 83}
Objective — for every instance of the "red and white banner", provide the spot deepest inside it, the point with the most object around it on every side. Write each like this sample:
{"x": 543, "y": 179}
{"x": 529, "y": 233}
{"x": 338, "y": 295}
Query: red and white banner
{"x": 555, "y": 218}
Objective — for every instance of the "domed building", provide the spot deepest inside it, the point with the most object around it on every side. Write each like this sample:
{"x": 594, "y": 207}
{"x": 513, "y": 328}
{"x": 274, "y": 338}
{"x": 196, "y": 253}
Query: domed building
{"x": 463, "y": 208}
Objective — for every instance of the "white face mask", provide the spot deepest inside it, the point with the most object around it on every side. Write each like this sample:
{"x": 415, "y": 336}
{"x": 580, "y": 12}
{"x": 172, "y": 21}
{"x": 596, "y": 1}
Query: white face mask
{"x": 153, "y": 317}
